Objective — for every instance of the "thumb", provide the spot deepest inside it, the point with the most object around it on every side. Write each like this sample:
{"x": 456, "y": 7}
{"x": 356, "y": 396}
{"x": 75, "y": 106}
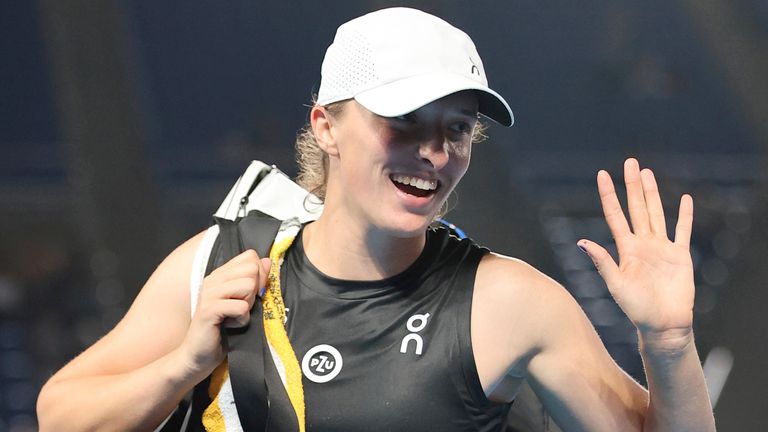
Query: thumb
{"x": 603, "y": 261}
{"x": 266, "y": 264}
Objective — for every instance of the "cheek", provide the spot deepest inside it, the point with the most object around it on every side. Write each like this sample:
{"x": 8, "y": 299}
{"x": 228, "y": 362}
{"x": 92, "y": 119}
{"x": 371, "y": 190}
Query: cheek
{"x": 460, "y": 153}
{"x": 463, "y": 152}
{"x": 360, "y": 158}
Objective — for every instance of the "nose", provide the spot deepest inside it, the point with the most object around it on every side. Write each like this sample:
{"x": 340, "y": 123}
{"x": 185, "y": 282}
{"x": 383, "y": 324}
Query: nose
{"x": 434, "y": 150}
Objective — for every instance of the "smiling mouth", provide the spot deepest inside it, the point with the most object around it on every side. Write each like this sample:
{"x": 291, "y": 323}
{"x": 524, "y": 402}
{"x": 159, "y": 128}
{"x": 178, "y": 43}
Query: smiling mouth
{"x": 415, "y": 186}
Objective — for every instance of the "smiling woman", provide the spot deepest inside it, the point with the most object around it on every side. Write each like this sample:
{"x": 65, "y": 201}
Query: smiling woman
{"x": 396, "y": 172}
{"x": 313, "y": 161}
{"x": 389, "y": 324}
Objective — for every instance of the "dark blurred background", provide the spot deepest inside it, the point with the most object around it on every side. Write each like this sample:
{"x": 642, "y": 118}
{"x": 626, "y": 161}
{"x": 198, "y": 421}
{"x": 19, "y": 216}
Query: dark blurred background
{"x": 123, "y": 124}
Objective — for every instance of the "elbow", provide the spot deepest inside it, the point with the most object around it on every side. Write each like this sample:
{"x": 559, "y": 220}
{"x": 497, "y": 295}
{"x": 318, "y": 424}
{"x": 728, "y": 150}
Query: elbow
{"x": 49, "y": 406}
{"x": 45, "y": 407}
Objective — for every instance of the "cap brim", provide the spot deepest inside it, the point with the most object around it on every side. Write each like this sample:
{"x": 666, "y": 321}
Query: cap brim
{"x": 409, "y": 94}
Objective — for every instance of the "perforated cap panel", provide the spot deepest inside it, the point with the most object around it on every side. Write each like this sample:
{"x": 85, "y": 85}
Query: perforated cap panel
{"x": 348, "y": 67}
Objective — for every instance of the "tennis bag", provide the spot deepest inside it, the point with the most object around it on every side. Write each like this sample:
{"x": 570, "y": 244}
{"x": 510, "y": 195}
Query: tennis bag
{"x": 262, "y": 200}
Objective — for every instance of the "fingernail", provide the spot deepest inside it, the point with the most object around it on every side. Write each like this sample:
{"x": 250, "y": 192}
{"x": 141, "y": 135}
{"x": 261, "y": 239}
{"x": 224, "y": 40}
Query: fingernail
{"x": 262, "y": 292}
{"x": 582, "y": 248}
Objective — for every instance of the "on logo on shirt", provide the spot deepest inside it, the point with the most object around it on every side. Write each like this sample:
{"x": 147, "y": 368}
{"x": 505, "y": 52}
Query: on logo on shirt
{"x": 415, "y": 324}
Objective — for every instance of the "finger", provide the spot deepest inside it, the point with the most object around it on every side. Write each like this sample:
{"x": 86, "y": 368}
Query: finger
{"x": 234, "y": 313}
{"x": 241, "y": 288}
{"x": 218, "y": 312}
{"x": 266, "y": 265}
{"x": 614, "y": 215}
{"x": 237, "y": 322}
{"x": 603, "y": 261}
{"x": 653, "y": 202}
{"x": 684, "y": 222}
{"x": 638, "y": 212}
{"x": 244, "y": 256}
{"x": 243, "y": 265}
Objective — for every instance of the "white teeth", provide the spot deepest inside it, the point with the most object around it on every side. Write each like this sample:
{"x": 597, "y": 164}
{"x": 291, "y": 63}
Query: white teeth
{"x": 415, "y": 182}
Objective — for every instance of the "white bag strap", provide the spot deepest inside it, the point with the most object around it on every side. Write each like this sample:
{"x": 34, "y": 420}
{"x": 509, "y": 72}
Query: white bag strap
{"x": 200, "y": 264}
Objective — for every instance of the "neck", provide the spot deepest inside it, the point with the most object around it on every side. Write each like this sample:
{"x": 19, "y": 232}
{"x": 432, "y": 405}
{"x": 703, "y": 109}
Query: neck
{"x": 344, "y": 250}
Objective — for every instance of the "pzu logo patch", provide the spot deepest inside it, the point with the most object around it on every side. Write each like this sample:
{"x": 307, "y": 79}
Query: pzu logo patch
{"x": 321, "y": 363}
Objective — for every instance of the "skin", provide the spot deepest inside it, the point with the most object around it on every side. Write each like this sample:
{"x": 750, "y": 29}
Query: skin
{"x": 367, "y": 220}
{"x": 384, "y": 230}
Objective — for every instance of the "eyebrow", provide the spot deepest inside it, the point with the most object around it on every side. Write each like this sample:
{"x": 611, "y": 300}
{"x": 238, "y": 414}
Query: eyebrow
{"x": 470, "y": 113}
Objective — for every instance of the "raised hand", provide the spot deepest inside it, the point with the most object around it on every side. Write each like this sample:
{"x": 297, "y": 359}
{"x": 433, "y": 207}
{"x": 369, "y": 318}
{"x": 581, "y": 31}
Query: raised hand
{"x": 653, "y": 281}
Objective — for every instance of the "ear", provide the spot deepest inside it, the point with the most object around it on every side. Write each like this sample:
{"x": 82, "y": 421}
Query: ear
{"x": 323, "y": 127}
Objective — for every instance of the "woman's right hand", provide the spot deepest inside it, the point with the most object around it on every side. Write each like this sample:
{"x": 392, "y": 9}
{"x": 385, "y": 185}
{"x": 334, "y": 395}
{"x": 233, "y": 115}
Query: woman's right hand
{"x": 145, "y": 365}
{"x": 226, "y": 299}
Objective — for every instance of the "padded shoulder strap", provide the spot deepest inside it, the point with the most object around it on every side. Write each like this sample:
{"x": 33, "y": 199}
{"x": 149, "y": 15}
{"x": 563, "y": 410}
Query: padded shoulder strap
{"x": 262, "y": 402}
{"x": 258, "y": 231}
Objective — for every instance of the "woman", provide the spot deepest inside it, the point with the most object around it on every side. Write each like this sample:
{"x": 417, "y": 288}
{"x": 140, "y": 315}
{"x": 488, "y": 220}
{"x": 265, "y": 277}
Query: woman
{"x": 415, "y": 330}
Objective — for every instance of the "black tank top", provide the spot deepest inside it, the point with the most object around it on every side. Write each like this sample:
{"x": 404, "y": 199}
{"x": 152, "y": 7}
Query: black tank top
{"x": 392, "y": 354}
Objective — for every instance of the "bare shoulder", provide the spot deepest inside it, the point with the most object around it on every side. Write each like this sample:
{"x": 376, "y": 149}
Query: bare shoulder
{"x": 519, "y": 288}
{"x": 155, "y": 324}
{"x": 511, "y": 276}
{"x": 516, "y": 308}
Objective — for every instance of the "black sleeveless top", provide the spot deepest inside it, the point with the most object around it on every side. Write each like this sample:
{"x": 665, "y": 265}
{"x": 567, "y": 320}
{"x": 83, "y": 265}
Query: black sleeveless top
{"x": 392, "y": 354}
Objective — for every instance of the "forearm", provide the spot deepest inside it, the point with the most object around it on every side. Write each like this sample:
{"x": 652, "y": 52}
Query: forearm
{"x": 136, "y": 400}
{"x": 678, "y": 394}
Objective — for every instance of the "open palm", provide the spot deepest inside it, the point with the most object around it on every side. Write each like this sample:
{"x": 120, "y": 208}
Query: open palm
{"x": 653, "y": 281}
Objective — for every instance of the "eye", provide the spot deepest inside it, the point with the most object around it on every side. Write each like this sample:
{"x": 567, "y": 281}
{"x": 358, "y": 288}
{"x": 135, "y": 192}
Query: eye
{"x": 462, "y": 127}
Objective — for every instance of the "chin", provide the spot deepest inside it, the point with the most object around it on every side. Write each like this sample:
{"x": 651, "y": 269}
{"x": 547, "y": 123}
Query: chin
{"x": 408, "y": 226}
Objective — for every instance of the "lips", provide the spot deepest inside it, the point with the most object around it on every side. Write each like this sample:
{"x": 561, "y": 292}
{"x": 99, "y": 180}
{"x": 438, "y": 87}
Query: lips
{"x": 416, "y": 186}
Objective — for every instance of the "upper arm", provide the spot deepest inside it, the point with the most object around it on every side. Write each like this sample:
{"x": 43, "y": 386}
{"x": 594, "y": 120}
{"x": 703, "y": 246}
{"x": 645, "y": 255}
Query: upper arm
{"x": 155, "y": 324}
{"x": 547, "y": 338}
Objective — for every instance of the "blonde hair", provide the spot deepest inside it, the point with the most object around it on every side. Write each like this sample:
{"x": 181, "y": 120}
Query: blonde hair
{"x": 313, "y": 161}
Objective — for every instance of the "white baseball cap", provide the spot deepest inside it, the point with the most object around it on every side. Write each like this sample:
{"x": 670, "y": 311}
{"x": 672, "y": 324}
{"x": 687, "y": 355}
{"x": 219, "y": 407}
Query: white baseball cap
{"x": 395, "y": 60}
